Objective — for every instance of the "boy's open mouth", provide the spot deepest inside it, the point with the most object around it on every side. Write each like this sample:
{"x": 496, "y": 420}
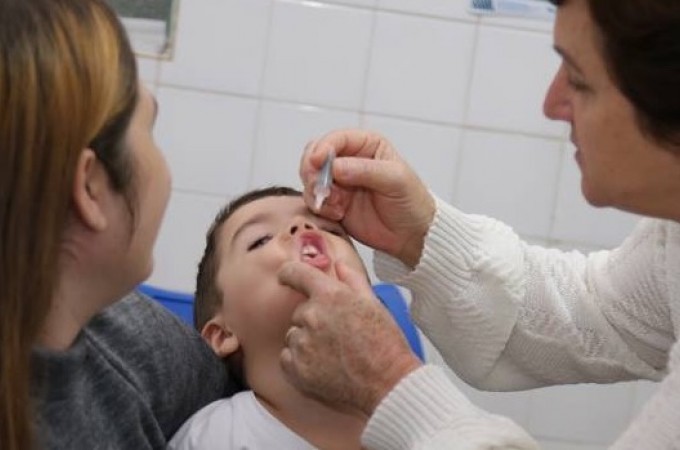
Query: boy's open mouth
{"x": 313, "y": 250}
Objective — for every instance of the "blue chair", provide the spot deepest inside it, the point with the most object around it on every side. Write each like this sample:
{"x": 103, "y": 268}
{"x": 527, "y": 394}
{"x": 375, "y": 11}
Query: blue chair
{"x": 179, "y": 303}
{"x": 390, "y": 296}
{"x": 182, "y": 304}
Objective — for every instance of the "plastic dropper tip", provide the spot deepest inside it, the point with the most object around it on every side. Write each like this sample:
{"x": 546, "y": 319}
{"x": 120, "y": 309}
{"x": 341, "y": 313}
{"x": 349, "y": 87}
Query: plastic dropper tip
{"x": 318, "y": 201}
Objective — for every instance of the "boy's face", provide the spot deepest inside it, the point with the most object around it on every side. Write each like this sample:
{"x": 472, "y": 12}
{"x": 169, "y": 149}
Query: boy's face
{"x": 253, "y": 245}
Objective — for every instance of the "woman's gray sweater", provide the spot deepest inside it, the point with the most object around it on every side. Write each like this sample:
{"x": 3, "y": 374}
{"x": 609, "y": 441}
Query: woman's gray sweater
{"x": 132, "y": 377}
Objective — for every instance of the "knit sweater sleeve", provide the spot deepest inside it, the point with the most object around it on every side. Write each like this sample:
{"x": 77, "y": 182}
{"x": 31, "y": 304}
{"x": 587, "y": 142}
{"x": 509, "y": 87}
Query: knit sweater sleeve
{"x": 506, "y": 315}
{"x": 425, "y": 411}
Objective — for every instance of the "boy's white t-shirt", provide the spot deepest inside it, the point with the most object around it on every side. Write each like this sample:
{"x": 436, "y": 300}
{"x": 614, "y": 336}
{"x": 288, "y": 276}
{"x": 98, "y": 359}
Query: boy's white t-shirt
{"x": 236, "y": 423}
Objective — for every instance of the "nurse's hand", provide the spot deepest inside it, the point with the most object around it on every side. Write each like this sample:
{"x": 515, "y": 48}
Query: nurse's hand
{"x": 344, "y": 349}
{"x": 376, "y": 195}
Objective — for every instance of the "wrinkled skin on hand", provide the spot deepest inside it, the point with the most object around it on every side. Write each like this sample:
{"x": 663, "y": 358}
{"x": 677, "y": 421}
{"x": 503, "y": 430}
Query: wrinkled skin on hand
{"x": 376, "y": 195}
{"x": 344, "y": 349}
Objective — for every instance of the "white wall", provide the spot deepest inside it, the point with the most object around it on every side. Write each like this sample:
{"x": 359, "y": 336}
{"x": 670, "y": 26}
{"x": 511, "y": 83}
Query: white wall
{"x": 253, "y": 80}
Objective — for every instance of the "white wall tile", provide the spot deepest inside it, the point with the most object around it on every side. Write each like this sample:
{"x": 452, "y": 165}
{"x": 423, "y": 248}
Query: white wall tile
{"x": 565, "y": 445}
{"x": 583, "y": 413}
{"x": 432, "y": 150}
{"x": 181, "y": 241}
{"x": 363, "y": 3}
{"x": 318, "y": 53}
{"x": 515, "y": 405}
{"x": 642, "y": 392}
{"x": 528, "y": 23}
{"x": 531, "y": 240}
{"x": 366, "y": 254}
{"x": 511, "y": 74}
{"x": 511, "y": 178}
{"x": 576, "y": 220}
{"x": 420, "y": 68}
{"x": 284, "y": 130}
{"x": 152, "y": 88}
{"x": 207, "y": 139}
{"x": 220, "y": 45}
{"x": 440, "y": 8}
{"x": 147, "y": 69}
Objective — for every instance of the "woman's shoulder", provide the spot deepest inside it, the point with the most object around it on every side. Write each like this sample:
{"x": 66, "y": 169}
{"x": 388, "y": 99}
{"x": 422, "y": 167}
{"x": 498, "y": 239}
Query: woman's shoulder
{"x": 658, "y": 235}
{"x": 135, "y": 310}
{"x": 167, "y": 361}
{"x": 145, "y": 332}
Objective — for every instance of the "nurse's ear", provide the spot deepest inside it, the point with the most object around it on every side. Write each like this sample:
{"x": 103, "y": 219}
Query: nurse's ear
{"x": 91, "y": 191}
{"x": 220, "y": 337}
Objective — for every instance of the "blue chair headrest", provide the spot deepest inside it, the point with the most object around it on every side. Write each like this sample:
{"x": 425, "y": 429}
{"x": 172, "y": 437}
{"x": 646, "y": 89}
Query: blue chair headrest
{"x": 182, "y": 304}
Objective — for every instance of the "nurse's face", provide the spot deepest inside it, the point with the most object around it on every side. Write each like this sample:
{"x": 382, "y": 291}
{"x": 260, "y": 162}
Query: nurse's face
{"x": 620, "y": 165}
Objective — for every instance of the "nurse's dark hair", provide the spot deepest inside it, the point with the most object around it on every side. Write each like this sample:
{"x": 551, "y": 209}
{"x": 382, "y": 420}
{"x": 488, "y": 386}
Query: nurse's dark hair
{"x": 640, "y": 41}
{"x": 68, "y": 82}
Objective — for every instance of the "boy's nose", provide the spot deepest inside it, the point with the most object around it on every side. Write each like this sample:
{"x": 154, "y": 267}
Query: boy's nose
{"x": 299, "y": 225}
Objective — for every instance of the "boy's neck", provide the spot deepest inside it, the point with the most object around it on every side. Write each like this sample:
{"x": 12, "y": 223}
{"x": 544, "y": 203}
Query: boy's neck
{"x": 321, "y": 426}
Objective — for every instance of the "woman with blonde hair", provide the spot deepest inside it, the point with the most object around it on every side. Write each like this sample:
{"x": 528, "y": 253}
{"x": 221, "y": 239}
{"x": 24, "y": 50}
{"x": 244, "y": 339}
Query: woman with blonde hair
{"x": 83, "y": 189}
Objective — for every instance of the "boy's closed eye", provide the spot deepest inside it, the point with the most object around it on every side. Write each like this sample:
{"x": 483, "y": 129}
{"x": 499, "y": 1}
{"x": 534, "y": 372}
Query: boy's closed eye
{"x": 259, "y": 242}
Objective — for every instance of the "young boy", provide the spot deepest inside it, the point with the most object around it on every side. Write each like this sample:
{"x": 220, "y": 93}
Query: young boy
{"x": 243, "y": 312}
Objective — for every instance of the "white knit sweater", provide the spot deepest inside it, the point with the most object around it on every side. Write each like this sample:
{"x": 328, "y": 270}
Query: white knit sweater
{"x": 506, "y": 315}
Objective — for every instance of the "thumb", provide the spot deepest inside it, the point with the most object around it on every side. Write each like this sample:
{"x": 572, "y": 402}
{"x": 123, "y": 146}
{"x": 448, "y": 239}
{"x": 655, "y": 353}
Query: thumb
{"x": 302, "y": 277}
{"x": 355, "y": 279}
{"x": 382, "y": 176}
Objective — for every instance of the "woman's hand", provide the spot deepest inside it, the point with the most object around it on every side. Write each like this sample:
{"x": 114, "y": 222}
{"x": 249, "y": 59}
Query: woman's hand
{"x": 344, "y": 349}
{"x": 376, "y": 195}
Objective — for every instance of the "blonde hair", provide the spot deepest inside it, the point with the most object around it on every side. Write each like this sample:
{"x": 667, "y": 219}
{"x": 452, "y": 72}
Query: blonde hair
{"x": 68, "y": 81}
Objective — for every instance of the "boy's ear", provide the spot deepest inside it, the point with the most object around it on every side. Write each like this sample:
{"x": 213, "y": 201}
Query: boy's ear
{"x": 220, "y": 337}
{"x": 90, "y": 185}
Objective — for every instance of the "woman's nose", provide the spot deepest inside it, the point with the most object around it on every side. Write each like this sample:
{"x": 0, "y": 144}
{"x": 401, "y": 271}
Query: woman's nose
{"x": 301, "y": 225}
{"x": 557, "y": 104}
